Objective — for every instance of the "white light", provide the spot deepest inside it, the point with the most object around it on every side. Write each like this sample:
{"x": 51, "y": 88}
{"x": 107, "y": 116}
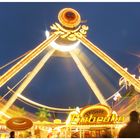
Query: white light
{"x": 2, "y": 113}
{"x": 78, "y": 109}
{"x": 58, "y": 129}
{"x": 117, "y": 96}
{"x": 76, "y": 129}
{"x": 50, "y": 130}
{"x": 47, "y": 34}
{"x": 62, "y": 48}
{"x": 126, "y": 69}
{"x": 114, "y": 112}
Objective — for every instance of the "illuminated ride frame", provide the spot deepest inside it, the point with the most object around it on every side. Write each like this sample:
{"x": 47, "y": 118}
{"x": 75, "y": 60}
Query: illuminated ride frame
{"x": 68, "y": 30}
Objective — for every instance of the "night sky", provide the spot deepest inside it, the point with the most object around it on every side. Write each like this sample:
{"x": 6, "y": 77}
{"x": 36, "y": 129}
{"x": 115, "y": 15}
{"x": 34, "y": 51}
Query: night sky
{"x": 113, "y": 27}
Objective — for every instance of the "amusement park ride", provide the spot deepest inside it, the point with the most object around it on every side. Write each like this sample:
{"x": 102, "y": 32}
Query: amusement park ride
{"x": 71, "y": 33}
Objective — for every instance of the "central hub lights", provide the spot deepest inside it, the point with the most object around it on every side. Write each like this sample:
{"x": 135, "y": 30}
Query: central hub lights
{"x": 63, "y": 45}
{"x": 69, "y": 18}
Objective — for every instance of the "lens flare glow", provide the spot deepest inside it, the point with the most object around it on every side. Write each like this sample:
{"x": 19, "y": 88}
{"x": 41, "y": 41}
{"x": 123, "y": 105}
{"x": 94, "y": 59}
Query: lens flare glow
{"x": 62, "y": 48}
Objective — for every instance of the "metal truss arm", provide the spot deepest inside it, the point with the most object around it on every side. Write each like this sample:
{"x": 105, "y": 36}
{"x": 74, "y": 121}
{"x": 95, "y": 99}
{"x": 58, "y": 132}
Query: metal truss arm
{"x": 27, "y": 59}
{"x": 114, "y": 65}
{"x": 29, "y": 78}
{"x": 88, "y": 79}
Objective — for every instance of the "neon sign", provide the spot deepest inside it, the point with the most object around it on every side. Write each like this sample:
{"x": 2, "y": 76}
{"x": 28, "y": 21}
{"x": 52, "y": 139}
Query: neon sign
{"x": 96, "y": 120}
{"x": 98, "y": 114}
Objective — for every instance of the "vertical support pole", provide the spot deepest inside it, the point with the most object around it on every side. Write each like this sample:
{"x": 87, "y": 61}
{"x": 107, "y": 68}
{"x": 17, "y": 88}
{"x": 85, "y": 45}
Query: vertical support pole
{"x": 88, "y": 79}
{"x": 25, "y": 83}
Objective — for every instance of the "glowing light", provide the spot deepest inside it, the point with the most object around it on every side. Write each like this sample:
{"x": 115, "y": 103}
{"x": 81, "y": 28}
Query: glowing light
{"x": 49, "y": 130}
{"x": 58, "y": 129}
{"x": 9, "y": 63}
{"x": 62, "y": 48}
{"x": 114, "y": 112}
{"x": 38, "y": 104}
{"x": 27, "y": 80}
{"x": 78, "y": 109}
{"x": 76, "y": 112}
{"x": 29, "y": 100}
{"x": 106, "y": 108}
{"x": 117, "y": 96}
{"x": 109, "y": 61}
{"x": 84, "y": 58}
{"x": 4, "y": 114}
{"x": 26, "y": 60}
{"x": 69, "y": 17}
{"x": 137, "y": 55}
{"x": 89, "y": 80}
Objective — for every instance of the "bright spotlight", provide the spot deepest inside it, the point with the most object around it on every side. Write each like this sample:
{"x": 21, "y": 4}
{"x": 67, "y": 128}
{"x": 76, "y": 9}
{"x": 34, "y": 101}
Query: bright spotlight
{"x": 47, "y": 34}
{"x": 62, "y": 48}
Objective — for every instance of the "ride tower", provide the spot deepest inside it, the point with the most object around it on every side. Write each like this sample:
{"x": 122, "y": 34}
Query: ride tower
{"x": 69, "y": 32}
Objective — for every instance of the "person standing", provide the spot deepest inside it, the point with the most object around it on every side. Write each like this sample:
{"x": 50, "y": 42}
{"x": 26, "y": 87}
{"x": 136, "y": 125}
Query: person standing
{"x": 132, "y": 129}
{"x": 12, "y": 134}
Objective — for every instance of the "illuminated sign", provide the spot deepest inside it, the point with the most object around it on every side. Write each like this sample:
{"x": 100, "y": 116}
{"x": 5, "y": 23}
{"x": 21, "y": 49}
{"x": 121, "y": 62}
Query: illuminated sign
{"x": 19, "y": 123}
{"x": 96, "y": 114}
{"x": 57, "y": 121}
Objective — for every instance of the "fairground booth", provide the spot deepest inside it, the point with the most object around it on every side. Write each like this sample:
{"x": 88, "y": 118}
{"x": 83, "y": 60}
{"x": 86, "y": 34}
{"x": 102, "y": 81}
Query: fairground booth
{"x": 96, "y": 121}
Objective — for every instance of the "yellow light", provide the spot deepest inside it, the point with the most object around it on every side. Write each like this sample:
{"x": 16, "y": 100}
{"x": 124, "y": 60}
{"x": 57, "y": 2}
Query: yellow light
{"x": 3, "y": 135}
{"x": 109, "y": 61}
{"x": 106, "y": 108}
{"x": 38, "y": 104}
{"x": 62, "y": 48}
{"x": 69, "y": 21}
{"x": 49, "y": 130}
{"x": 27, "y": 81}
{"x": 114, "y": 112}
{"x": 4, "y": 114}
{"x": 26, "y": 60}
{"x": 88, "y": 79}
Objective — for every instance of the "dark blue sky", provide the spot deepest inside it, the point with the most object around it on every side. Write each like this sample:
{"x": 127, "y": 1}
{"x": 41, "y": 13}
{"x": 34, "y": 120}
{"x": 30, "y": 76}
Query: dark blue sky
{"x": 113, "y": 27}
